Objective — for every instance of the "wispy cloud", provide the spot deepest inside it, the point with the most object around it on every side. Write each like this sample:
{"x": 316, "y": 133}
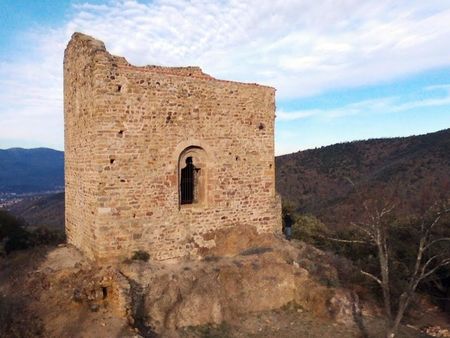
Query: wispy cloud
{"x": 31, "y": 97}
{"x": 300, "y": 47}
{"x": 383, "y": 105}
{"x": 335, "y": 123}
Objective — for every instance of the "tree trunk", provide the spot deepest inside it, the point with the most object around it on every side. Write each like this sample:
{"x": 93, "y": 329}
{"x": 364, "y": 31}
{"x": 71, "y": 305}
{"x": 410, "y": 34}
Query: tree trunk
{"x": 390, "y": 333}
{"x": 403, "y": 304}
{"x": 447, "y": 301}
{"x": 384, "y": 267}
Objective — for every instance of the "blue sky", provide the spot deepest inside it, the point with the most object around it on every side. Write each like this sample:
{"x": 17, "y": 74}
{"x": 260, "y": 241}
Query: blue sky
{"x": 344, "y": 71}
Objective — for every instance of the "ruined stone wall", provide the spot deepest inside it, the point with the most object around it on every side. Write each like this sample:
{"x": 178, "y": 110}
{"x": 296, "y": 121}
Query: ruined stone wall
{"x": 124, "y": 139}
{"x": 81, "y": 173}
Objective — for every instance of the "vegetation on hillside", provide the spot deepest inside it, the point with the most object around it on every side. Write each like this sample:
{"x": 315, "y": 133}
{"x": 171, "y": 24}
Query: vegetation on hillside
{"x": 413, "y": 172}
{"x": 401, "y": 239}
{"x": 43, "y": 211}
{"x": 328, "y": 187}
{"x": 15, "y": 235}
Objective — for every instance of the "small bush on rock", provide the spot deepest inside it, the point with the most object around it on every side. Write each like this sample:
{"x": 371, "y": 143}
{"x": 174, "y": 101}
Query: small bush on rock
{"x": 140, "y": 255}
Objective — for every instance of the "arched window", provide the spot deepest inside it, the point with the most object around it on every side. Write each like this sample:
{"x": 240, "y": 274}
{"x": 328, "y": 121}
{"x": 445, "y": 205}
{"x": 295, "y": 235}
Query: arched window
{"x": 192, "y": 176}
{"x": 187, "y": 188}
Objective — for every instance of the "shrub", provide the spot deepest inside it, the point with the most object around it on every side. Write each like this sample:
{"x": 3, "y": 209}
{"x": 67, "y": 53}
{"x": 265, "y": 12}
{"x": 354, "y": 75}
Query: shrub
{"x": 222, "y": 330}
{"x": 255, "y": 251}
{"x": 310, "y": 229}
{"x": 44, "y": 236}
{"x": 15, "y": 236}
{"x": 140, "y": 255}
{"x": 13, "y": 233}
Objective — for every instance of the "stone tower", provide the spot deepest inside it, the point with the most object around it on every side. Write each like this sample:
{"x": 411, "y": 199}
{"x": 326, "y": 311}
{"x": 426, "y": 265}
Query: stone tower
{"x": 157, "y": 158}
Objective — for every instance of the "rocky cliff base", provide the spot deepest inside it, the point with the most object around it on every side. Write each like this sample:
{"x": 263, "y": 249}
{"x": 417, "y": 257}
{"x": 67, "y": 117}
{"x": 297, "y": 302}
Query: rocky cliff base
{"x": 249, "y": 286}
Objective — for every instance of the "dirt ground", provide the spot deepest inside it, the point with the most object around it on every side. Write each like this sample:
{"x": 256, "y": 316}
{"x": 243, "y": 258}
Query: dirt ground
{"x": 49, "y": 292}
{"x": 37, "y": 290}
{"x": 293, "y": 322}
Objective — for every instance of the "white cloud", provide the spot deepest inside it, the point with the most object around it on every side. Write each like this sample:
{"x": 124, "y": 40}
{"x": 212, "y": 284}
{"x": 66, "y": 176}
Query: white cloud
{"x": 383, "y": 105}
{"x": 300, "y": 47}
{"x": 31, "y": 97}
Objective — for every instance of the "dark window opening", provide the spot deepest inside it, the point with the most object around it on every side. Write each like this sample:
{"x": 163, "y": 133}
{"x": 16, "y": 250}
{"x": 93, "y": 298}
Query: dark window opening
{"x": 104, "y": 292}
{"x": 187, "y": 182}
{"x": 192, "y": 177}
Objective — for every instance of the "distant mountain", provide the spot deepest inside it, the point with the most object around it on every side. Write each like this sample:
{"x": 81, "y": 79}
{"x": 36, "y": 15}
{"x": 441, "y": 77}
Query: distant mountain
{"x": 412, "y": 171}
{"x": 31, "y": 170}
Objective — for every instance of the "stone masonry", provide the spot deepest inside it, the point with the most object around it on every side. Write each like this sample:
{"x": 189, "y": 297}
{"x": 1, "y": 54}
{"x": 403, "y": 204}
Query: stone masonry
{"x": 129, "y": 132}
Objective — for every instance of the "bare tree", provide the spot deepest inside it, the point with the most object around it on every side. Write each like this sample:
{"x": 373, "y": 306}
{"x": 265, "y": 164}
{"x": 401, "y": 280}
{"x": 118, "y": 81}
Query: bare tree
{"x": 376, "y": 231}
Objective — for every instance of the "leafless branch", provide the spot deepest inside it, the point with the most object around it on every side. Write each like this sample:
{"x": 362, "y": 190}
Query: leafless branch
{"x": 386, "y": 210}
{"x": 430, "y": 228}
{"x": 346, "y": 240}
{"x": 376, "y": 279}
{"x": 438, "y": 284}
{"x": 364, "y": 228}
{"x": 429, "y": 261}
{"x": 443, "y": 239}
{"x": 375, "y": 229}
{"x": 436, "y": 220}
{"x": 443, "y": 263}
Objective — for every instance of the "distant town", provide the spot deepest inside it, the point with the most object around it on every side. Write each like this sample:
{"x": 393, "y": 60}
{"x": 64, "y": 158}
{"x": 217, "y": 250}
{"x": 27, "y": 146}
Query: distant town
{"x": 8, "y": 199}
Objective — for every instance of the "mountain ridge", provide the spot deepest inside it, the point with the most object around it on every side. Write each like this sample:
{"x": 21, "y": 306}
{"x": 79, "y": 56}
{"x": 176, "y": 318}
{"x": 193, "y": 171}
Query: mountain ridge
{"x": 410, "y": 170}
{"x": 34, "y": 170}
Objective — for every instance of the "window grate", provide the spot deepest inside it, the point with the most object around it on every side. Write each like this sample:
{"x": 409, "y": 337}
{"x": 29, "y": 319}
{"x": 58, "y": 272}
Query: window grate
{"x": 187, "y": 182}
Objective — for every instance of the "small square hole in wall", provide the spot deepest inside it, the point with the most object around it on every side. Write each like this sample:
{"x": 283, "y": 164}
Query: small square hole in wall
{"x": 119, "y": 88}
{"x": 105, "y": 292}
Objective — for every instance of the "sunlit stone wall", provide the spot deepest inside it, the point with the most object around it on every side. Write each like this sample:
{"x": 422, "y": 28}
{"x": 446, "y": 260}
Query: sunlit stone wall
{"x": 128, "y": 131}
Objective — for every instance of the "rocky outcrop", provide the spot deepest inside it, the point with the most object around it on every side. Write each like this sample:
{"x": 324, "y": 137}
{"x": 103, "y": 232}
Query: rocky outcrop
{"x": 213, "y": 291}
{"x": 265, "y": 276}
{"x": 248, "y": 273}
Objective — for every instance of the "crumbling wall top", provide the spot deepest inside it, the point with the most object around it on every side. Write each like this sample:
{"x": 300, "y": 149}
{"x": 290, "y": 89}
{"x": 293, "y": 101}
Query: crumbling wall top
{"x": 189, "y": 71}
